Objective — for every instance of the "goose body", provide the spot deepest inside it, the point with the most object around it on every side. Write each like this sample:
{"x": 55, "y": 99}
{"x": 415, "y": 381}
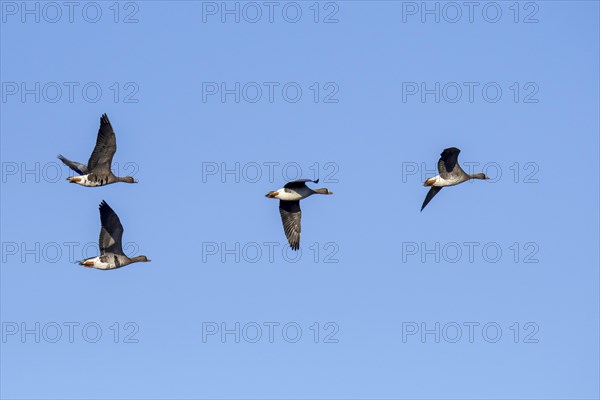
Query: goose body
{"x": 289, "y": 207}
{"x": 100, "y": 262}
{"x": 97, "y": 171}
{"x": 87, "y": 180}
{"x": 110, "y": 243}
{"x": 450, "y": 174}
{"x": 438, "y": 181}
{"x": 292, "y": 193}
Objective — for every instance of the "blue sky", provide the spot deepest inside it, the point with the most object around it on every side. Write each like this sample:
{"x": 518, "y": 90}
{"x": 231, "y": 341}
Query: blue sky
{"x": 515, "y": 259}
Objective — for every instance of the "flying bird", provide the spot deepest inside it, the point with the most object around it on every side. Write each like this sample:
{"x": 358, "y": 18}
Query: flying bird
{"x": 450, "y": 174}
{"x": 289, "y": 207}
{"x": 111, "y": 247}
{"x": 97, "y": 171}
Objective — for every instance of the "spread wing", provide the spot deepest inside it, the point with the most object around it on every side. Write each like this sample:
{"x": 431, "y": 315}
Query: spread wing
{"x": 430, "y": 195}
{"x": 298, "y": 183}
{"x": 290, "y": 216}
{"x": 448, "y": 162}
{"x": 106, "y": 146}
{"x": 111, "y": 232}
{"x": 80, "y": 168}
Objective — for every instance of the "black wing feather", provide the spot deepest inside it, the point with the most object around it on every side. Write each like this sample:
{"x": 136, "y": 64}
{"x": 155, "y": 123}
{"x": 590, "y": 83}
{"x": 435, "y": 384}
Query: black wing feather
{"x": 298, "y": 183}
{"x": 291, "y": 216}
{"x": 448, "y": 160}
{"x": 106, "y": 147}
{"x": 111, "y": 233}
{"x": 430, "y": 195}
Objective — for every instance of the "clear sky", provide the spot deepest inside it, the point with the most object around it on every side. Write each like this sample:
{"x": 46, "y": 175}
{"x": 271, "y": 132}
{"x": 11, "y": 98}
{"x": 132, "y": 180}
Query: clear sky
{"x": 491, "y": 292}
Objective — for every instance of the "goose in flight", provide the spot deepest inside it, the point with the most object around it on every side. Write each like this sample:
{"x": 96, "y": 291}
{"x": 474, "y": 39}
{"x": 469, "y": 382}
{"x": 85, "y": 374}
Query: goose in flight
{"x": 97, "y": 171}
{"x": 289, "y": 207}
{"x": 450, "y": 174}
{"x": 111, "y": 248}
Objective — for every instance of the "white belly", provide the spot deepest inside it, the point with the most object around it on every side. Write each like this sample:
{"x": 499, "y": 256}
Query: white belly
{"x": 439, "y": 181}
{"x": 84, "y": 181}
{"x": 294, "y": 194}
{"x": 98, "y": 264}
{"x": 289, "y": 196}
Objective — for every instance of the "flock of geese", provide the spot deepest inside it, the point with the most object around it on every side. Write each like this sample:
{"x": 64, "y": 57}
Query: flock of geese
{"x": 97, "y": 172}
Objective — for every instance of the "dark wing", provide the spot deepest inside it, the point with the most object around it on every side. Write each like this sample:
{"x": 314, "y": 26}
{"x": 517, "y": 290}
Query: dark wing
{"x": 448, "y": 161}
{"x": 111, "y": 232}
{"x": 432, "y": 192}
{"x": 290, "y": 216}
{"x": 298, "y": 183}
{"x": 106, "y": 146}
{"x": 80, "y": 168}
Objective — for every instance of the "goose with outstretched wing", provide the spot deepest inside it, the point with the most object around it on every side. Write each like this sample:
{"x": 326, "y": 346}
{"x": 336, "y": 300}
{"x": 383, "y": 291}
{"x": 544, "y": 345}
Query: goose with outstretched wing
{"x": 111, "y": 245}
{"x": 450, "y": 174}
{"x": 289, "y": 207}
{"x": 97, "y": 171}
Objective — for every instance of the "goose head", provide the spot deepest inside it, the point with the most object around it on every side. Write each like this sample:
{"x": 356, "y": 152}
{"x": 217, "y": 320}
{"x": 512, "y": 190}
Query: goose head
{"x": 128, "y": 179}
{"x": 140, "y": 259}
{"x": 480, "y": 175}
{"x": 323, "y": 191}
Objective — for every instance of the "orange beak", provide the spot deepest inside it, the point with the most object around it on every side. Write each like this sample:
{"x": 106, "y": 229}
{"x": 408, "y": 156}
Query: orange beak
{"x": 73, "y": 179}
{"x": 271, "y": 195}
{"x": 88, "y": 264}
